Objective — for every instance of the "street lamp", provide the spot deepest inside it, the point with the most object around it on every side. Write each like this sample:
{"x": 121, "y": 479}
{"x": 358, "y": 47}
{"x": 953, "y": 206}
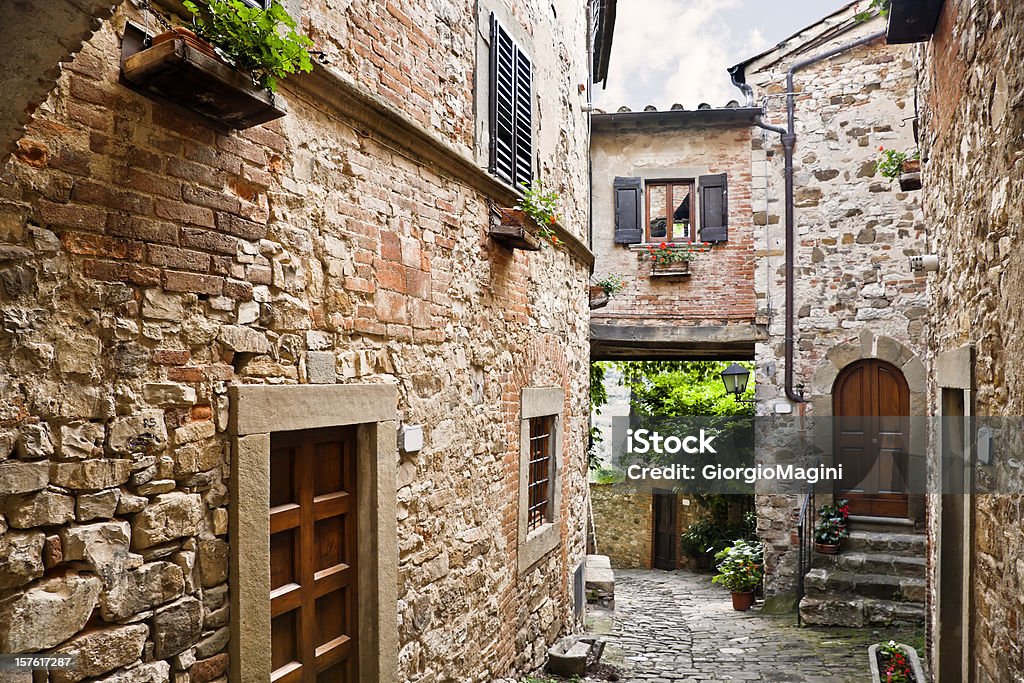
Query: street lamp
{"x": 735, "y": 378}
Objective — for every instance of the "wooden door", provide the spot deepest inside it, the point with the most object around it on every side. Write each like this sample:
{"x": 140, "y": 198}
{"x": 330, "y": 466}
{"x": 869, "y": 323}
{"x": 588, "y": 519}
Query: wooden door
{"x": 666, "y": 533}
{"x": 313, "y": 556}
{"x": 871, "y": 405}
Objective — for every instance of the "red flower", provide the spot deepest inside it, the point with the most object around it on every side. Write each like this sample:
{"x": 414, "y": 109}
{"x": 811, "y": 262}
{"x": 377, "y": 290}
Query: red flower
{"x": 881, "y": 148}
{"x": 663, "y": 246}
{"x": 553, "y": 220}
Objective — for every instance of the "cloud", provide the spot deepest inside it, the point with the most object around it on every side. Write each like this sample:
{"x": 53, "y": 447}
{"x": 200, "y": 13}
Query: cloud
{"x": 668, "y": 51}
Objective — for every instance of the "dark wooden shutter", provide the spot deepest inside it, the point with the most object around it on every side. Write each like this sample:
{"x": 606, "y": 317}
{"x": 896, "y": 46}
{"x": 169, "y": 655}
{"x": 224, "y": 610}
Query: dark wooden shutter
{"x": 714, "y": 208}
{"x": 511, "y": 86}
{"x": 628, "y": 211}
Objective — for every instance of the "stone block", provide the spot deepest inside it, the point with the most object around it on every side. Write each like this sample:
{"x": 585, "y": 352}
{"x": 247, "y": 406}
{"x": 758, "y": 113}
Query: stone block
{"x": 101, "y": 505}
{"x": 142, "y": 589}
{"x": 320, "y": 367}
{"x": 213, "y": 644}
{"x": 208, "y": 669}
{"x": 160, "y": 306}
{"x": 127, "y": 503}
{"x": 35, "y": 442}
{"x": 21, "y": 558}
{"x": 177, "y": 627}
{"x": 194, "y": 431}
{"x": 81, "y": 440}
{"x": 46, "y": 614}
{"x": 169, "y": 394}
{"x": 101, "y": 651}
{"x": 102, "y": 547}
{"x": 23, "y": 477}
{"x": 170, "y": 516}
{"x": 153, "y": 672}
{"x": 43, "y": 508}
{"x": 143, "y": 432}
{"x": 213, "y": 562}
{"x": 90, "y": 474}
{"x": 241, "y": 339}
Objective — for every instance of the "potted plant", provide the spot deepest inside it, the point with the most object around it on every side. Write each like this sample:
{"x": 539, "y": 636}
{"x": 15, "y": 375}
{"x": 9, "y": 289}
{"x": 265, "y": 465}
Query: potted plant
{"x": 902, "y": 166}
{"x": 537, "y": 206}
{"x": 261, "y": 42}
{"x": 740, "y": 569}
{"x": 609, "y": 285}
{"x": 831, "y": 528}
{"x": 668, "y": 258}
{"x": 894, "y": 662}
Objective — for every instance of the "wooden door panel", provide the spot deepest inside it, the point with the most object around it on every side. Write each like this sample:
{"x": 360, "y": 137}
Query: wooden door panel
{"x": 871, "y": 402}
{"x": 313, "y": 542}
{"x": 665, "y": 507}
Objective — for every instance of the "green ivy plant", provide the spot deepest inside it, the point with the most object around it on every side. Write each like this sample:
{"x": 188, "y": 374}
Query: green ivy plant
{"x": 542, "y": 206}
{"x": 252, "y": 39}
{"x": 880, "y": 6}
{"x": 740, "y": 566}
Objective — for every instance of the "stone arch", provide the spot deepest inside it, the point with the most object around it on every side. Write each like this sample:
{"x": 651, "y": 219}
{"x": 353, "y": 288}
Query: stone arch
{"x": 38, "y": 35}
{"x": 866, "y": 346}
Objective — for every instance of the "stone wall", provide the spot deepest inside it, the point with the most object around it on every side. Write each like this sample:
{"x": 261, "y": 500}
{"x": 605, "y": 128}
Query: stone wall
{"x": 623, "y": 525}
{"x": 855, "y": 294}
{"x": 148, "y": 262}
{"x": 972, "y": 128}
{"x": 719, "y": 290}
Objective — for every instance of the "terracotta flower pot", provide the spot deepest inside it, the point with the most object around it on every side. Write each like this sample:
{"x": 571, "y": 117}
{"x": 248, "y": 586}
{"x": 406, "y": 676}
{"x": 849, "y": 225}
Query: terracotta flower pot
{"x": 912, "y": 166}
{"x": 826, "y": 548}
{"x": 741, "y": 602}
{"x": 190, "y": 38}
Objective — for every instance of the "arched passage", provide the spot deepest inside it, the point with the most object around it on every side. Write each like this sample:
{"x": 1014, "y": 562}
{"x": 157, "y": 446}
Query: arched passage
{"x": 871, "y": 431}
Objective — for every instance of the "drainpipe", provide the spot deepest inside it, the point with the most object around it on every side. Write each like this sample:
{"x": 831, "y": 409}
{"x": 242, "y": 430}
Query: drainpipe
{"x": 788, "y": 136}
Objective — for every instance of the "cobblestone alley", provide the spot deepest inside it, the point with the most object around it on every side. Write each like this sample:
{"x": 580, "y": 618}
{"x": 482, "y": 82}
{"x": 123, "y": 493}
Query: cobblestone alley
{"x": 679, "y": 627}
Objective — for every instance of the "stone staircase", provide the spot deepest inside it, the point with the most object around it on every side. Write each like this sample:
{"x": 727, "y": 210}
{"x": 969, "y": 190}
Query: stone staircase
{"x": 878, "y": 578}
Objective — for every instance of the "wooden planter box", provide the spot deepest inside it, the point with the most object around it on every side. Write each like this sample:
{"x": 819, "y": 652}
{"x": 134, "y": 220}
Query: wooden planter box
{"x": 510, "y": 228}
{"x": 598, "y": 299}
{"x": 178, "y": 72}
{"x": 679, "y": 269}
{"x": 910, "y": 178}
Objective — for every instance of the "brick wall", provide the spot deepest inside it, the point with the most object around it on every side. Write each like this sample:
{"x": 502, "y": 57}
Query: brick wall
{"x": 720, "y": 289}
{"x": 147, "y": 262}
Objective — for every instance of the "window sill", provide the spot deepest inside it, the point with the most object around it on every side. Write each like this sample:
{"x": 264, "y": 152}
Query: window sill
{"x": 677, "y": 246}
{"x": 537, "y": 545}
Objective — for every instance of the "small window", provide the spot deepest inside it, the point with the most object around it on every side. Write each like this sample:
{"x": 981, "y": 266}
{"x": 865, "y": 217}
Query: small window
{"x": 670, "y": 211}
{"x": 511, "y": 125}
{"x": 541, "y": 454}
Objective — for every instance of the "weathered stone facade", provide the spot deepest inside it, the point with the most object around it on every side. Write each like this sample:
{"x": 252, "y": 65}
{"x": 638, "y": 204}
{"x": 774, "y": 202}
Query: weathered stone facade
{"x": 148, "y": 263}
{"x": 855, "y": 297}
{"x": 971, "y": 132}
{"x": 624, "y": 525}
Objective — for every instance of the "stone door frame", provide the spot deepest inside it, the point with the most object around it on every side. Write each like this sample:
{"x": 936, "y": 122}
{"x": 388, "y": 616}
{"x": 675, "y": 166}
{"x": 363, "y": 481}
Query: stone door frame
{"x": 256, "y": 412}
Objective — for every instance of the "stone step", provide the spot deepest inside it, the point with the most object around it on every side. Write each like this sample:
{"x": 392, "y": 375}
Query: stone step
{"x": 872, "y": 563}
{"x": 892, "y": 525}
{"x": 821, "y": 582}
{"x": 858, "y": 612}
{"x": 599, "y": 581}
{"x": 884, "y": 542}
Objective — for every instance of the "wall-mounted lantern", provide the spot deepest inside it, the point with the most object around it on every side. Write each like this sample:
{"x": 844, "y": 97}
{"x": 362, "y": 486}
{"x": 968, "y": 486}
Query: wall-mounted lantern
{"x": 735, "y": 378}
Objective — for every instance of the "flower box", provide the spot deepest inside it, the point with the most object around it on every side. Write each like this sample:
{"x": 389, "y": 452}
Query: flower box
{"x": 178, "y": 71}
{"x": 678, "y": 269}
{"x": 510, "y": 228}
{"x": 913, "y": 660}
{"x": 598, "y": 297}
{"x": 910, "y": 176}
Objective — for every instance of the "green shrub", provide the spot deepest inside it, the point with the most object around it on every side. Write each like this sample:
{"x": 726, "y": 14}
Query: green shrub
{"x": 251, "y": 38}
{"x": 740, "y": 566}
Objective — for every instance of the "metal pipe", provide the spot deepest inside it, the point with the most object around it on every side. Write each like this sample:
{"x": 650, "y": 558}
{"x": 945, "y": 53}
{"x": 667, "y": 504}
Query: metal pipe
{"x": 788, "y": 137}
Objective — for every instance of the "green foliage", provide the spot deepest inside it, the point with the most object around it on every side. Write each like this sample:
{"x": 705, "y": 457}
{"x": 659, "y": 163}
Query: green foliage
{"x": 711, "y": 534}
{"x": 605, "y": 475}
{"x": 891, "y": 164}
{"x": 598, "y": 398}
{"x": 542, "y": 206}
{"x": 896, "y": 666}
{"x": 667, "y": 253}
{"x": 832, "y": 520}
{"x": 611, "y": 284}
{"x": 880, "y": 6}
{"x": 252, "y": 38}
{"x": 740, "y": 566}
{"x": 683, "y": 388}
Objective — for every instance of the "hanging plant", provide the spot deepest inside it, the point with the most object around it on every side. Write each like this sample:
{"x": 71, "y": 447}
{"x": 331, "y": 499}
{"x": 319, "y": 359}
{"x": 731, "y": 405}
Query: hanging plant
{"x": 880, "y": 6}
{"x": 542, "y": 206}
{"x": 252, "y": 39}
{"x": 891, "y": 164}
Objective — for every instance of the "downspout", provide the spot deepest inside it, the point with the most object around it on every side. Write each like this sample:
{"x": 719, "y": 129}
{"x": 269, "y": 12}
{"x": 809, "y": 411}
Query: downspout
{"x": 788, "y": 136}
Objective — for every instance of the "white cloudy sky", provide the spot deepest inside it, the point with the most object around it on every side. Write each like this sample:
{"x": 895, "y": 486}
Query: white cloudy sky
{"x": 667, "y": 51}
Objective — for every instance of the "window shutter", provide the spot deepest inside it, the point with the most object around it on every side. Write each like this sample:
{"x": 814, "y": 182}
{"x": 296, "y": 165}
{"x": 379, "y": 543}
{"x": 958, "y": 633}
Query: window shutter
{"x": 628, "y": 211}
{"x": 511, "y": 87}
{"x": 714, "y": 208}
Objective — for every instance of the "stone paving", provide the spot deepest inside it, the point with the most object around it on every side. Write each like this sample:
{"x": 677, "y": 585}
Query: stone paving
{"x": 679, "y": 627}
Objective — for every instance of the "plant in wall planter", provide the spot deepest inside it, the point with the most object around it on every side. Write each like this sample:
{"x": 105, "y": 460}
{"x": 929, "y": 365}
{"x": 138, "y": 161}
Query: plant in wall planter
{"x": 227, "y": 70}
{"x": 831, "y": 528}
{"x": 740, "y": 569}
{"x": 906, "y": 168}
{"x": 894, "y": 662}
{"x": 668, "y": 258}
{"x": 534, "y": 217}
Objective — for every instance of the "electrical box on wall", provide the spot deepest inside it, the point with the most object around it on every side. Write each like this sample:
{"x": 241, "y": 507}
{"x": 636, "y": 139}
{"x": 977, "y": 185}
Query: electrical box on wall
{"x": 410, "y": 438}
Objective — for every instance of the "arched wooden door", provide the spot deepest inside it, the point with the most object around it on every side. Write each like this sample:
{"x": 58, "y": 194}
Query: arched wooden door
{"x": 871, "y": 407}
